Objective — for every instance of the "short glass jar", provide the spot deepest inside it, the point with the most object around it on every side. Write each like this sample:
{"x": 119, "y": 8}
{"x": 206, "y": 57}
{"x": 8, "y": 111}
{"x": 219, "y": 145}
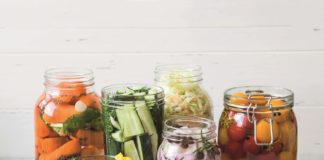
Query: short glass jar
{"x": 184, "y": 93}
{"x": 67, "y": 116}
{"x": 132, "y": 115}
{"x": 258, "y": 123}
{"x": 189, "y": 138}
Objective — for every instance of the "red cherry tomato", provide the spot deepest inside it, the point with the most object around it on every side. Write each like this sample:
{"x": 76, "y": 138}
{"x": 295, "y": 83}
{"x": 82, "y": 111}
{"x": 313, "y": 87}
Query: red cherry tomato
{"x": 266, "y": 156}
{"x": 276, "y": 148}
{"x": 249, "y": 145}
{"x": 241, "y": 120}
{"x": 235, "y": 149}
{"x": 236, "y": 133}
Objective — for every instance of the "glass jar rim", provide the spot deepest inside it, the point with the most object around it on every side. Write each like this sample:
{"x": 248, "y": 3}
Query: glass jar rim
{"x": 111, "y": 90}
{"x": 73, "y": 75}
{"x": 269, "y": 93}
{"x": 171, "y": 125}
{"x": 184, "y": 73}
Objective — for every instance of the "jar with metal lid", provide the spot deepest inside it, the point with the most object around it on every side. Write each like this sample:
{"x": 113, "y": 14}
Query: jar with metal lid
{"x": 258, "y": 123}
{"x": 67, "y": 116}
{"x": 132, "y": 115}
{"x": 189, "y": 138}
{"x": 184, "y": 92}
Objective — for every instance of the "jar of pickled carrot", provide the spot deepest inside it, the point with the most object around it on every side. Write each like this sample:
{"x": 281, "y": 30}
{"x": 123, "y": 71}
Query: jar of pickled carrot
{"x": 67, "y": 116}
{"x": 184, "y": 92}
{"x": 258, "y": 122}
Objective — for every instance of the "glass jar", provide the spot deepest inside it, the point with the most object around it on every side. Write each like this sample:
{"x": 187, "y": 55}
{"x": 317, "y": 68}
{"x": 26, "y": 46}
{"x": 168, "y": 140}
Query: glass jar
{"x": 258, "y": 123}
{"x": 67, "y": 116}
{"x": 184, "y": 94}
{"x": 133, "y": 120}
{"x": 189, "y": 138}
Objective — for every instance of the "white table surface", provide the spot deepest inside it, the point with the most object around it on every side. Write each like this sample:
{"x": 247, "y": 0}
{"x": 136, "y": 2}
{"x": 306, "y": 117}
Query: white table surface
{"x": 251, "y": 42}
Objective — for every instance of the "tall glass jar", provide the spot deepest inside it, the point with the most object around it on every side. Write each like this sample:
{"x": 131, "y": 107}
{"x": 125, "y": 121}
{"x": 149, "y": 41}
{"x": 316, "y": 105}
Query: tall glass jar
{"x": 67, "y": 116}
{"x": 133, "y": 120}
{"x": 258, "y": 123}
{"x": 189, "y": 138}
{"x": 184, "y": 94}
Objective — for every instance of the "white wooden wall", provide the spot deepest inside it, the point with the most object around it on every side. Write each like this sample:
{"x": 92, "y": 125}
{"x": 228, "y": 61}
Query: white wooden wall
{"x": 250, "y": 42}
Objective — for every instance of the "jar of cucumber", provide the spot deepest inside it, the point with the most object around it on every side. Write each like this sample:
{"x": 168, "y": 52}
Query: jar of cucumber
{"x": 67, "y": 116}
{"x": 184, "y": 93}
{"x": 133, "y": 117}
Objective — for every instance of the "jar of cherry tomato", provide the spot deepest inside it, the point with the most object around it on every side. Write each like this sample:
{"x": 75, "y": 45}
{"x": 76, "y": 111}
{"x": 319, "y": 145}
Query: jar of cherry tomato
{"x": 67, "y": 116}
{"x": 258, "y": 123}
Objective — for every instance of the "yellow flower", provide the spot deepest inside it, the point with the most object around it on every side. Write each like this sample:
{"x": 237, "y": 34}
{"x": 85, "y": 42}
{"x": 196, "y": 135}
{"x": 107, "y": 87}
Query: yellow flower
{"x": 120, "y": 156}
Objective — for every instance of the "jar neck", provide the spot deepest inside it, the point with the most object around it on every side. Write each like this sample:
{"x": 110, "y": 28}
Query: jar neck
{"x": 68, "y": 79}
{"x": 189, "y": 128}
{"x": 259, "y": 97}
{"x": 130, "y": 94}
{"x": 184, "y": 74}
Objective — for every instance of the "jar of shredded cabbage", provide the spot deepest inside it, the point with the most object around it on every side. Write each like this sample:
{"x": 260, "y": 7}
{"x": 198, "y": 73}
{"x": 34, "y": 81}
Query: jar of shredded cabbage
{"x": 184, "y": 94}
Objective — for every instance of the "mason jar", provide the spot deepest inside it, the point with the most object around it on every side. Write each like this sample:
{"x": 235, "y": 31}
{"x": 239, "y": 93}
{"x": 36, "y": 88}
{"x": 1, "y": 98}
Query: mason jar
{"x": 67, "y": 116}
{"x": 132, "y": 115}
{"x": 184, "y": 93}
{"x": 189, "y": 138}
{"x": 258, "y": 122}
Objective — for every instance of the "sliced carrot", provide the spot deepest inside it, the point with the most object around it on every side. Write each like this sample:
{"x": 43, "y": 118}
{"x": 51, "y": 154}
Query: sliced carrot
{"x": 70, "y": 148}
{"x": 58, "y": 113}
{"x": 71, "y": 88}
{"x": 69, "y": 92}
{"x": 88, "y": 137}
{"x": 38, "y": 146}
{"x": 97, "y": 103}
{"x": 50, "y": 144}
{"x": 41, "y": 129}
{"x": 91, "y": 150}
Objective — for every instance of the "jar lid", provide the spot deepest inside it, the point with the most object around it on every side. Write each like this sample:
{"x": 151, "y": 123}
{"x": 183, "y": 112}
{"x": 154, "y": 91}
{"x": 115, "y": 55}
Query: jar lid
{"x": 192, "y": 127}
{"x": 258, "y": 96}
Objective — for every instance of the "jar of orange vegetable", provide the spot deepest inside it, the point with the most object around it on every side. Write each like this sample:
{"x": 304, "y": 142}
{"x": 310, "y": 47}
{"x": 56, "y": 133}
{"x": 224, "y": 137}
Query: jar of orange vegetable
{"x": 258, "y": 123}
{"x": 67, "y": 116}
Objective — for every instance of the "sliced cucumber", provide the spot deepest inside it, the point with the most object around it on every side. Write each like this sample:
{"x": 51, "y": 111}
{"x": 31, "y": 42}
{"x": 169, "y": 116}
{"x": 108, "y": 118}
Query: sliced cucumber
{"x": 130, "y": 150}
{"x": 139, "y": 147}
{"x": 114, "y": 122}
{"x": 119, "y": 137}
{"x": 144, "y": 147}
{"x": 129, "y": 121}
{"x": 148, "y": 124}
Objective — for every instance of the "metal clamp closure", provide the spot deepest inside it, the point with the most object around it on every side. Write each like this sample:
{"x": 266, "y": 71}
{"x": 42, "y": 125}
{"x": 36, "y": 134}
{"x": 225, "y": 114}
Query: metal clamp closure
{"x": 254, "y": 120}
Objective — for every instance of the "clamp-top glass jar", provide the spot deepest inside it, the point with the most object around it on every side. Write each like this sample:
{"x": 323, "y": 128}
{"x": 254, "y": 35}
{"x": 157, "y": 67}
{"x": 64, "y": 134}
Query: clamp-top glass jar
{"x": 258, "y": 123}
{"x": 67, "y": 116}
{"x": 184, "y": 94}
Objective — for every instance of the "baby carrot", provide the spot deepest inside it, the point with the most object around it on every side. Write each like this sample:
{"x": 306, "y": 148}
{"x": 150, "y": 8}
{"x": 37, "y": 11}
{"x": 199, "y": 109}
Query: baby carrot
{"x": 41, "y": 129}
{"x": 50, "y": 144}
{"x": 70, "y": 148}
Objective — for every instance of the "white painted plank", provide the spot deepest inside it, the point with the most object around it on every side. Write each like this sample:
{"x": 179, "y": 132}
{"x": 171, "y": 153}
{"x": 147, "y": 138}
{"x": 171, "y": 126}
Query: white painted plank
{"x": 160, "y": 40}
{"x": 159, "y": 13}
{"x": 17, "y": 139}
{"x": 301, "y": 72}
